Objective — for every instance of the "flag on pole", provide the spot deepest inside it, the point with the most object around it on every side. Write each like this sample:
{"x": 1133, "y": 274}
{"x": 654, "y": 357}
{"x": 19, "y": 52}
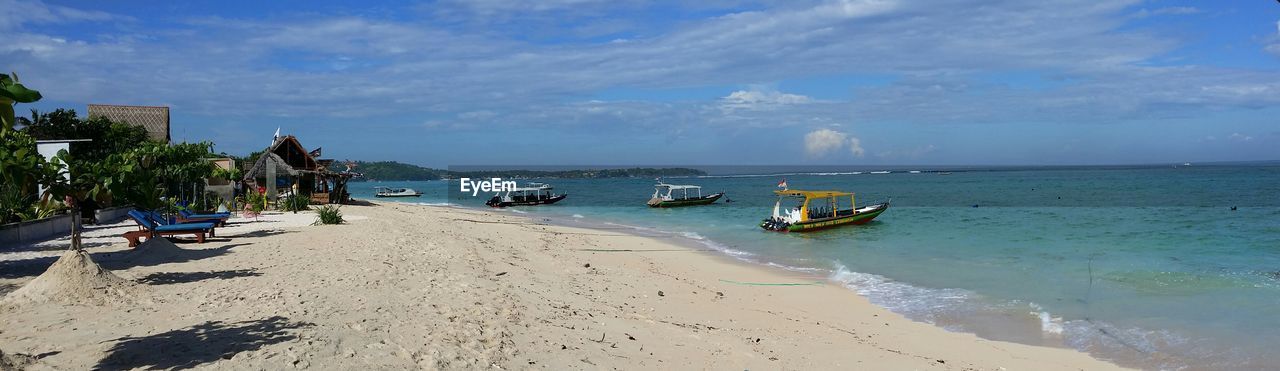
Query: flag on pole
{"x": 782, "y": 184}
{"x": 276, "y": 137}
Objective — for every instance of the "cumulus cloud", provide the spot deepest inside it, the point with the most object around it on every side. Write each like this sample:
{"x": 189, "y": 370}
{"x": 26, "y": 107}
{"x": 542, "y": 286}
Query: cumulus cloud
{"x": 1237, "y": 137}
{"x": 855, "y": 147}
{"x": 822, "y": 142}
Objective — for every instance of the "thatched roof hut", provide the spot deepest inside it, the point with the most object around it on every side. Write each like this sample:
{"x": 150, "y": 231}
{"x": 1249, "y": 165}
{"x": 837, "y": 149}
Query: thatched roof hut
{"x": 287, "y": 159}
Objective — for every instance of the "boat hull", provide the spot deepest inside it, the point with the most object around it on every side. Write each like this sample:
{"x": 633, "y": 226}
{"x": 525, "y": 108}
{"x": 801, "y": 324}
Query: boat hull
{"x": 398, "y": 195}
{"x": 546, "y": 201}
{"x": 815, "y": 225}
{"x": 706, "y": 200}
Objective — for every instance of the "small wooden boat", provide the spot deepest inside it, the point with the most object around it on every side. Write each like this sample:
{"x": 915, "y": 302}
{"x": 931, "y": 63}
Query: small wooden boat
{"x": 395, "y": 192}
{"x": 819, "y": 210}
{"x": 664, "y": 195}
{"x": 534, "y": 194}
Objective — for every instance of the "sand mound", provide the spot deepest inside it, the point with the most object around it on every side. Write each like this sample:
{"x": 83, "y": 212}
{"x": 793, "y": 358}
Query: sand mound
{"x": 74, "y": 279}
{"x": 15, "y": 362}
{"x": 157, "y": 251}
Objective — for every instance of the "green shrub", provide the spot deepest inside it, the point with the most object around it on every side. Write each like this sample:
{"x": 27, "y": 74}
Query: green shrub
{"x": 295, "y": 203}
{"x": 255, "y": 201}
{"x": 328, "y": 214}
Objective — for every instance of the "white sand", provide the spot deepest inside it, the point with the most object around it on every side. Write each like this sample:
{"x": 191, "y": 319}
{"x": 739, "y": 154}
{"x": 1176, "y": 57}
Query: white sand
{"x": 432, "y": 287}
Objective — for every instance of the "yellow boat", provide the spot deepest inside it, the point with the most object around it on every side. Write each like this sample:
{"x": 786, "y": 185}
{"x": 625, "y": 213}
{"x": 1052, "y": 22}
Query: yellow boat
{"x": 819, "y": 210}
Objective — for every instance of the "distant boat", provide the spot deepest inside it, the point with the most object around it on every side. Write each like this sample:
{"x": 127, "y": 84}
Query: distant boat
{"x": 395, "y": 192}
{"x": 914, "y": 171}
{"x": 822, "y": 214}
{"x": 670, "y": 199}
{"x": 534, "y": 194}
{"x": 1186, "y": 164}
{"x": 879, "y": 172}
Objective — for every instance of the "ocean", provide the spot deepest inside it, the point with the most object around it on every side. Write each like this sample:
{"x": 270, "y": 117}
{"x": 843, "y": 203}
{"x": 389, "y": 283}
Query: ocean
{"x": 1146, "y": 266}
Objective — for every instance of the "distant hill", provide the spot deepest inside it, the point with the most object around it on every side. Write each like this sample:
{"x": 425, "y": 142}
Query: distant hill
{"x": 391, "y": 170}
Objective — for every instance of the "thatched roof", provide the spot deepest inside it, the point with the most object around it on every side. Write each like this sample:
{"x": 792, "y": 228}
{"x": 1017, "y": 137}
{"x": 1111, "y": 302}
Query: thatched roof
{"x": 259, "y": 169}
{"x": 154, "y": 119}
{"x": 288, "y": 157}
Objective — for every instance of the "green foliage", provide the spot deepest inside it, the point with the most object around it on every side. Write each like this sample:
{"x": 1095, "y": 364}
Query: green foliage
{"x": 21, "y": 169}
{"x": 234, "y": 174}
{"x": 328, "y": 214}
{"x": 107, "y": 137}
{"x": 145, "y": 173}
{"x": 11, "y": 91}
{"x": 295, "y": 203}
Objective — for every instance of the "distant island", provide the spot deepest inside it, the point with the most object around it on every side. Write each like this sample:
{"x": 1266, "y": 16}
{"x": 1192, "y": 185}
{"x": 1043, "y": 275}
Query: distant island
{"x": 396, "y": 171}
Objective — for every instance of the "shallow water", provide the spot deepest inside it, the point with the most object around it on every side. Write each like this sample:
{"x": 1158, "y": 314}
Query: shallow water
{"x": 1146, "y": 266}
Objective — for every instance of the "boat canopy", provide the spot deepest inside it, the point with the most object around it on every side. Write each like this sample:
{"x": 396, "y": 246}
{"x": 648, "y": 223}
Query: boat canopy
{"x": 532, "y": 187}
{"x": 676, "y": 186}
{"x": 812, "y": 194}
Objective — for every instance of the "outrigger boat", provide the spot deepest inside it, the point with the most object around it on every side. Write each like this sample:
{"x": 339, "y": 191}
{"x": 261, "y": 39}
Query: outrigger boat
{"x": 395, "y": 192}
{"x": 811, "y": 215}
{"x": 534, "y": 194}
{"x": 670, "y": 199}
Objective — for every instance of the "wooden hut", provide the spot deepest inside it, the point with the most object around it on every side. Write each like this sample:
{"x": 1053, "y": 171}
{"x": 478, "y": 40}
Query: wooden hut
{"x": 287, "y": 164}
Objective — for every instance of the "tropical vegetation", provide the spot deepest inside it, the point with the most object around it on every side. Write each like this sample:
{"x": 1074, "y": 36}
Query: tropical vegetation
{"x": 118, "y": 165}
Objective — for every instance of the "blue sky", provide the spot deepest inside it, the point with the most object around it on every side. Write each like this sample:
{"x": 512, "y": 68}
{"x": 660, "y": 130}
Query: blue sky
{"x": 854, "y": 82}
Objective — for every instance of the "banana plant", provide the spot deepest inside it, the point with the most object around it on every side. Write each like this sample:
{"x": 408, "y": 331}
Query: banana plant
{"x": 11, "y": 92}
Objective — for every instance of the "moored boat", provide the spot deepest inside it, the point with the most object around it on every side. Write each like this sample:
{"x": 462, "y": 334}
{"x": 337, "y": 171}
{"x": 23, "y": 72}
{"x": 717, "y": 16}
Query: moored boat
{"x": 395, "y": 192}
{"x": 670, "y": 198}
{"x": 819, "y": 210}
{"x": 533, "y": 194}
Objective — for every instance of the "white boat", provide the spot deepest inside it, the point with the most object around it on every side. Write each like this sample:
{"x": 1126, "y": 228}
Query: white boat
{"x": 531, "y": 195}
{"x": 395, "y": 192}
{"x": 684, "y": 198}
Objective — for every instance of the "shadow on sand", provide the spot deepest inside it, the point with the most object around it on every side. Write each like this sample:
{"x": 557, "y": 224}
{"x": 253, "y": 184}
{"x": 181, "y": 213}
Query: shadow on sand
{"x": 148, "y": 254}
{"x": 199, "y": 344}
{"x": 261, "y": 233}
{"x": 169, "y": 278}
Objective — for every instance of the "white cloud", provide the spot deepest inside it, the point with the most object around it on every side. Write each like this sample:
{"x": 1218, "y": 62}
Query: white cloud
{"x": 1237, "y": 137}
{"x": 758, "y": 99}
{"x": 17, "y": 13}
{"x": 819, "y": 143}
{"x": 823, "y": 142}
{"x": 855, "y": 146}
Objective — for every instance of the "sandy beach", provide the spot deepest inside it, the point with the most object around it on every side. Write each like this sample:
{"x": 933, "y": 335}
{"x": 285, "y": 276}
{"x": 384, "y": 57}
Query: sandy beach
{"x": 406, "y": 286}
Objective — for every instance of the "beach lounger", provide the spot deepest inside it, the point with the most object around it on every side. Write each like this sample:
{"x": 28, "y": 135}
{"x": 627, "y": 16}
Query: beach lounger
{"x": 187, "y": 216}
{"x": 151, "y": 227}
{"x": 161, "y": 220}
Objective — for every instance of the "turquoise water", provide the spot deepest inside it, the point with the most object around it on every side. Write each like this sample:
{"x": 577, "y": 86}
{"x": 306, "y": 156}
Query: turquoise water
{"x": 1146, "y": 266}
